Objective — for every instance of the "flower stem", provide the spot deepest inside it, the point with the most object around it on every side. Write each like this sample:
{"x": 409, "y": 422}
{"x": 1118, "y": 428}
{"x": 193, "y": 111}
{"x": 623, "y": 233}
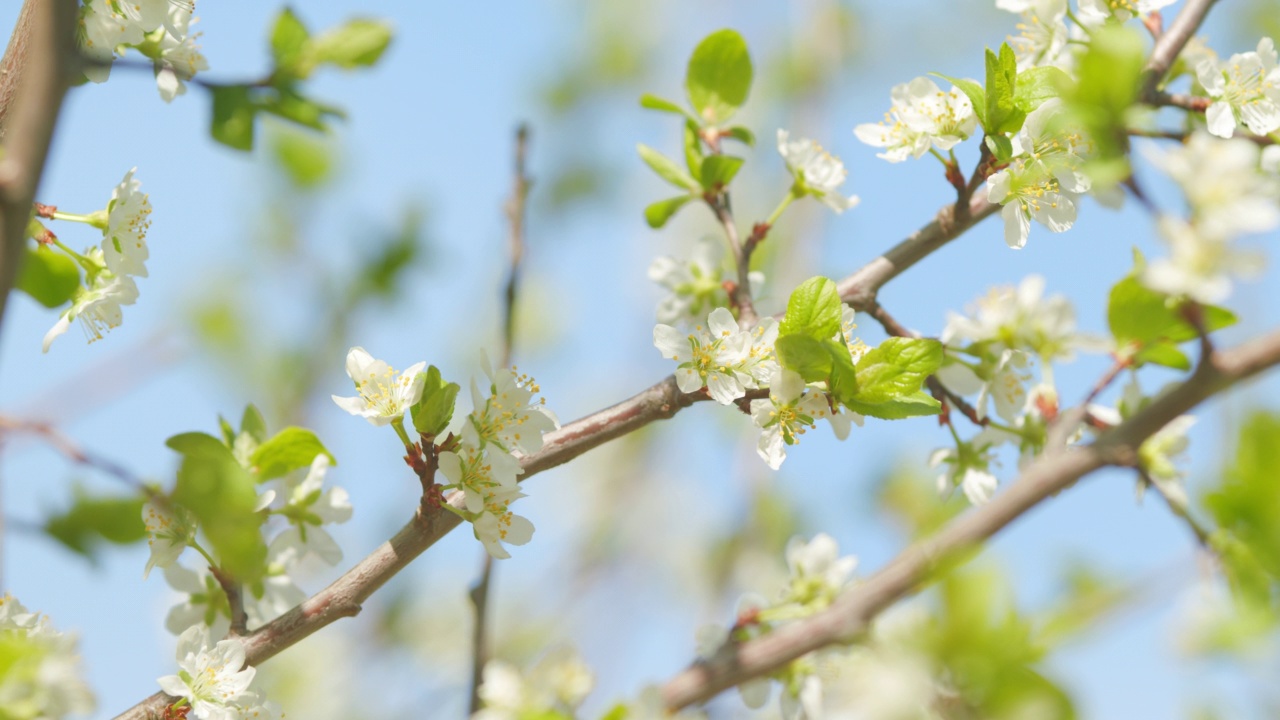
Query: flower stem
{"x": 934, "y": 152}
{"x": 791, "y": 197}
{"x": 212, "y": 563}
{"x": 90, "y": 266}
{"x": 398, "y": 424}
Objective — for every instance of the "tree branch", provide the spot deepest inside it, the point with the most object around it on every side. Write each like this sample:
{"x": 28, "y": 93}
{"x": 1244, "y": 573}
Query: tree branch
{"x": 853, "y": 612}
{"x": 660, "y": 401}
{"x": 1169, "y": 44}
{"x": 36, "y": 71}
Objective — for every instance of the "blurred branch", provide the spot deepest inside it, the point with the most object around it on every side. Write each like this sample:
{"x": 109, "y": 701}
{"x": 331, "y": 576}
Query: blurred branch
{"x": 851, "y": 614}
{"x": 1169, "y": 44}
{"x": 66, "y": 447}
{"x": 35, "y": 73}
{"x": 516, "y": 217}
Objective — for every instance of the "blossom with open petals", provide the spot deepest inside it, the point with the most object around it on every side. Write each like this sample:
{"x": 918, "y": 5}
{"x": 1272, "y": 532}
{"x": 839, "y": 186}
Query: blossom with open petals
{"x": 711, "y": 358}
{"x": 96, "y": 307}
{"x": 210, "y": 679}
{"x": 383, "y": 396}
{"x": 816, "y": 172}
{"x": 1245, "y": 89}
{"x": 922, "y": 116}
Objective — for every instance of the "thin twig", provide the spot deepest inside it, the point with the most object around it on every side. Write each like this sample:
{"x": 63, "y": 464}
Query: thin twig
{"x": 740, "y": 294}
{"x": 66, "y": 447}
{"x": 851, "y": 614}
{"x": 515, "y": 210}
{"x": 1121, "y": 362}
{"x": 1179, "y": 508}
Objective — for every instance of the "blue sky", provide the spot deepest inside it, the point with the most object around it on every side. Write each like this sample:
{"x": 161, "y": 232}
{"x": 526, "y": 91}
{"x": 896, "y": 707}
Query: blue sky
{"x": 432, "y": 126}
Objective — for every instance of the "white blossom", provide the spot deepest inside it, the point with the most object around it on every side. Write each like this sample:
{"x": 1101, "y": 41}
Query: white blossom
{"x": 97, "y": 307}
{"x": 383, "y": 396}
{"x": 1043, "y": 37}
{"x": 41, "y": 677}
{"x": 102, "y": 29}
{"x": 180, "y": 59}
{"x": 497, "y": 524}
{"x": 818, "y": 573}
{"x": 210, "y": 679}
{"x": 787, "y": 413}
{"x": 205, "y": 604}
{"x": 1200, "y": 266}
{"x": 270, "y": 597}
{"x": 1227, "y": 192}
{"x": 1003, "y": 382}
{"x": 713, "y": 358}
{"x": 308, "y": 508}
{"x": 922, "y": 116}
{"x": 1245, "y": 89}
{"x": 696, "y": 284}
{"x": 509, "y": 417}
{"x": 1020, "y": 318}
{"x": 553, "y": 687}
{"x": 1095, "y": 12}
{"x": 816, "y": 171}
{"x": 968, "y": 466}
{"x": 169, "y": 529}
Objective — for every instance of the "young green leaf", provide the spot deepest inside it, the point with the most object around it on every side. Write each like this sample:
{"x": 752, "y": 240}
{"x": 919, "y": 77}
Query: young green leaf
{"x": 288, "y": 450}
{"x": 719, "y": 76}
{"x": 653, "y": 102}
{"x": 222, "y": 496}
{"x": 91, "y": 520}
{"x": 719, "y": 170}
{"x": 742, "y": 135}
{"x": 1038, "y": 84}
{"x": 973, "y": 90}
{"x": 356, "y": 43}
{"x": 253, "y": 423}
{"x": 288, "y": 42}
{"x": 806, "y": 356}
{"x": 657, "y": 214}
{"x": 898, "y": 367}
{"x": 1002, "y": 114}
{"x": 434, "y": 411}
{"x": 49, "y": 277}
{"x": 693, "y": 153}
{"x": 1145, "y": 321}
{"x": 814, "y": 309}
{"x": 667, "y": 169}
{"x": 916, "y": 404}
{"x": 233, "y": 115}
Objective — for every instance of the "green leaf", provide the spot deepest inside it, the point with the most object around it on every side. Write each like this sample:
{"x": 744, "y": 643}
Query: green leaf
{"x": 1002, "y": 72}
{"x": 92, "y": 520}
{"x": 288, "y": 41}
{"x": 917, "y": 404}
{"x": 814, "y": 309}
{"x": 1108, "y": 80}
{"x": 898, "y": 367}
{"x": 806, "y": 356}
{"x": 692, "y": 149}
{"x": 228, "y": 432}
{"x": 973, "y": 90}
{"x": 1247, "y": 503}
{"x": 719, "y": 170}
{"x": 719, "y": 76}
{"x": 667, "y": 169}
{"x": 288, "y": 450}
{"x": 307, "y": 161}
{"x": 653, "y": 102}
{"x": 356, "y": 43}
{"x": 432, "y": 413}
{"x": 302, "y": 110}
{"x": 657, "y": 214}
{"x": 1038, "y": 84}
{"x": 222, "y": 496}
{"x": 233, "y": 114}
{"x": 1144, "y": 319}
{"x": 48, "y": 276}
{"x": 252, "y": 422}
{"x": 1001, "y": 147}
{"x": 742, "y": 135}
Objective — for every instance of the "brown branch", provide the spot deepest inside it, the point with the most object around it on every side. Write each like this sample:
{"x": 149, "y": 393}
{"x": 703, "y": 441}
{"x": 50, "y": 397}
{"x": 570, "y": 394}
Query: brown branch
{"x": 66, "y": 447}
{"x": 661, "y": 401}
{"x": 480, "y": 590}
{"x": 740, "y": 293}
{"x": 851, "y": 614}
{"x": 38, "y": 66}
{"x": 1169, "y": 44}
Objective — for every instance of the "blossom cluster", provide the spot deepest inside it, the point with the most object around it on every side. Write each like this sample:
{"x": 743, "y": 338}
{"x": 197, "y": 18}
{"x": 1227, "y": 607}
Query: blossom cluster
{"x": 817, "y": 576}
{"x": 922, "y": 118}
{"x": 213, "y": 681}
{"x": 553, "y": 688}
{"x": 41, "y": 677}
{"x": 159, "y": 29}
{"x": 110, "y": 267}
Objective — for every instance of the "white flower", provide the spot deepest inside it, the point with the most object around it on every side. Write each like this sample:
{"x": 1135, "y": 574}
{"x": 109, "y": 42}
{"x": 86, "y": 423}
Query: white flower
{"x": 1003, "y": 382}
{"x": 696, "y": 285}
{"x": 478, "y": 473}
{"x": 1200, "y": 267}
{"x": 712, "y": 359}
{"x": 1095, "y": 12}
{"x": 383, "y": 397}
{"x": 210, "y": 679}
{"x": 271, "y": 597}
{"x": 816, "y": 566}
{"x": 180, "y": 59}
{"x": 101, "y": 31}
{"x": 556, "y": 685}
{"x": 497, "y": 524}
{"x": 1020, "y": 319}
{"x": 649, "y": 706}
{"x": 1160, "y": 451}
{"x": 1246, "y": 90}
{"x": 96, "y": 307}
{"x": 786, "y": 414}
{"x": 968, "y": 466}
{"x": 307, "y": 509}
{"x": 922, "y": 116}
{"x": 169, "y": 529}
{"x": 1043, "y": 36}
{"x": 1226, "y": 190}
{"x": 805, "y": 702}
{"x": 41, "y": 677}
{"x": 508, "y": 417}
{"x": 206, "y": 603}
{"x": 816, "y": 171}
{"x": 252, "y": 706}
